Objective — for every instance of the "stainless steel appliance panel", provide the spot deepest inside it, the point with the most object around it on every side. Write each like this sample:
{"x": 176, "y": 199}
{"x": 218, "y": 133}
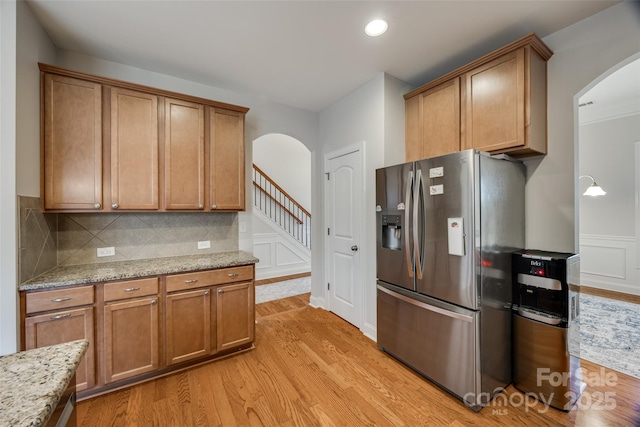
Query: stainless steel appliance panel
{"x": 445, "y": 191}
{"x": 437, "y": 342}
{"x": 394, "y": 240}
{"x": 543, "y": 364}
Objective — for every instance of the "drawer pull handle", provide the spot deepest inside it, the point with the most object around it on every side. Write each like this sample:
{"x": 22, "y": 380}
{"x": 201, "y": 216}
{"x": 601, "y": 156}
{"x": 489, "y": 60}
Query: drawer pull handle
{"x": 233, "y": 274}
{"x": 131, "y": 289}
{"x": 61, "y": 299}
{"x": 191, "y": 281}
{"x": 60, "y": 316}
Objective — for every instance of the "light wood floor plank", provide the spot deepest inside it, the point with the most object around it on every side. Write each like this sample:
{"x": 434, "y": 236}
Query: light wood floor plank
{"x": 311, "y": 368}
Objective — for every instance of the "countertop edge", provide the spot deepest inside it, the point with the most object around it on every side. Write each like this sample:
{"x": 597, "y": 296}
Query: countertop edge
{"x": 87, "y": 274}
{"x": 52, "y": 366}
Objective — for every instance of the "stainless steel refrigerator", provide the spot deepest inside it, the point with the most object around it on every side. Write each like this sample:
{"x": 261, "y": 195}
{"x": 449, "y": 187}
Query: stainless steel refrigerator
{"x": 446, "y": 229}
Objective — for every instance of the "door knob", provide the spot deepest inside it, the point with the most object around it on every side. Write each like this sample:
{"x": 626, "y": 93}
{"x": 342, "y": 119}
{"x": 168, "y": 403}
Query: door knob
{"x": 354, "y": 248}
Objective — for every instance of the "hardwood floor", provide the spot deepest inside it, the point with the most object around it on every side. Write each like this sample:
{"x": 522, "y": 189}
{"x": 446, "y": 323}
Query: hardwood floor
{"x": 620, "y": 296}
{"x": 311, "y": 368}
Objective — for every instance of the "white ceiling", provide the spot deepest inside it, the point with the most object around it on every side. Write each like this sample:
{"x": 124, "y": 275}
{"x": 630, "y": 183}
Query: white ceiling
{"x": 306, "y": 54}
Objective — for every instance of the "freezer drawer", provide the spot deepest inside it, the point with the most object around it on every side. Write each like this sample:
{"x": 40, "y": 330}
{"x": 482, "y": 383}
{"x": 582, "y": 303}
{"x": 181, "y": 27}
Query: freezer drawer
{"x": 438, "y": 343}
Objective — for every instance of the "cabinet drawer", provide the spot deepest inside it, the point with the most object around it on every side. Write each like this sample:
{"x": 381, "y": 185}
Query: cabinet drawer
{"x": 179, "y": 282}
{"x": 59, "y": 298}
{"x": 130, "y": 289}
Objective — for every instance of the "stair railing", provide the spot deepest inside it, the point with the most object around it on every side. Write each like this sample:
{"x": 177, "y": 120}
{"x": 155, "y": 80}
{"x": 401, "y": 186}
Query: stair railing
{"x": 281, "y": 208}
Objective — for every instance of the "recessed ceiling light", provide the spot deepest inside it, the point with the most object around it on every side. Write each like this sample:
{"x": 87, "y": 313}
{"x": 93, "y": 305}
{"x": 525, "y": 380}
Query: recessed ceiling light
{"x": 376, "y": 27}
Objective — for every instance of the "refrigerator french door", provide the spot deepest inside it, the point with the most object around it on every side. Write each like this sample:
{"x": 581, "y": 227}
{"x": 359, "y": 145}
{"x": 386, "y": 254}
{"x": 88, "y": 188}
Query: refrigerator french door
{"x": 446, "y": 229}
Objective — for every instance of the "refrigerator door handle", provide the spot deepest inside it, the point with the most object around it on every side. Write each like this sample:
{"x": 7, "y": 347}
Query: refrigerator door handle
{"x": 426, "y": 306}
{"x": 407, "y": 204}
{"x": 416, "y": 242}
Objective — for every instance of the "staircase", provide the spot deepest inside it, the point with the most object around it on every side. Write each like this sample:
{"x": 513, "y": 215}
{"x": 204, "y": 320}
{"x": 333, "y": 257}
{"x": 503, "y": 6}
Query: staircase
{"x": 270, "y": 199}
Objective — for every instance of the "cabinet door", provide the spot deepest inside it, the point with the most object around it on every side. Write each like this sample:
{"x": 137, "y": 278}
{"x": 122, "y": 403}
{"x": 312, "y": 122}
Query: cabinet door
{"x": 72, "y": 146}
{"x": 64, "y": 326}
{"x": 184, "y": 155}
{"x": 235, "y": 312}
{"x": 130, "y": 338}
{"x": 495, "y": 104}
{"x": 413, "y": 129}
{"x": 188, "y": 324}
{"x": 134, "y": 150}
{"x": 440, "y": 117}
{"x": 226, "y": 144}
{"x": 432, "y": 121}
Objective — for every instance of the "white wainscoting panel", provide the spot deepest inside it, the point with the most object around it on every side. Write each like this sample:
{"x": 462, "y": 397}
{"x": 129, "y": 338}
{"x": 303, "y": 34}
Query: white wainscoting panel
{"x": 609, "y": 262}
{"x": 278, "y": 257}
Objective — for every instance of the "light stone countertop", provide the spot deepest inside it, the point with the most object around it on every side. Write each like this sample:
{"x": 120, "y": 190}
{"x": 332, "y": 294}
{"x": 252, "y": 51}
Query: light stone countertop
{"x": 124, "y": 270}
{"x": 33, "y": 382}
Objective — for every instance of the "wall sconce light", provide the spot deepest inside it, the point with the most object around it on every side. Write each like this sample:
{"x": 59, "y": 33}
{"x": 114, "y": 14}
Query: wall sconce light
{"x": 594, "y": 189}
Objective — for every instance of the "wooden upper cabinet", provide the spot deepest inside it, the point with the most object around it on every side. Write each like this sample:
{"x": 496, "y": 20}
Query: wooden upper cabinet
{"x": 226, "y": 160}
{"x": 184, "y": 155}
{"x": 134, "y": 150}
{"x": 433, "y": 121}
{"x": 110, "y": 145}
{"x": 497, "y": 104}
{"x": 72, "y": 144}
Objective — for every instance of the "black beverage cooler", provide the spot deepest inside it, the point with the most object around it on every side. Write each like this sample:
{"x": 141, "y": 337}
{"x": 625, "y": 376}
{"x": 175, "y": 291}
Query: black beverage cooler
{"x": 546, "y": 326}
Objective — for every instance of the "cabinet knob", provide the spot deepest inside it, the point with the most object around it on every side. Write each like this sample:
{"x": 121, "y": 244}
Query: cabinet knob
{"x": 115, "y": 206}
{"x": 214, "y": 207}
{"x": 221, "y": 291}
{"x": 154, "y": 302}
{"x": 206, "y": 292}
{"x": 97, "y": 206}
{"x": 200, "y": 206}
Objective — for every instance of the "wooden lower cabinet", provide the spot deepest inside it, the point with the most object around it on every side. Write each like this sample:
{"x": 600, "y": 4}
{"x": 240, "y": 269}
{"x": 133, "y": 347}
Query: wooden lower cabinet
{"x": 142, "y": 328}
{"x": 188, "y": 323}
{"x": 130, "y": 338}
{"x": 64, "y": 326}
{"x": 235, "y": 315}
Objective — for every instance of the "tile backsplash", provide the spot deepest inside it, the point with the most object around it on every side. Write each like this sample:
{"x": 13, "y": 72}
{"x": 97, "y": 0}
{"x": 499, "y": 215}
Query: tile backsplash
{"x": 49, "y": 240}
{"x": 37, "y": 241}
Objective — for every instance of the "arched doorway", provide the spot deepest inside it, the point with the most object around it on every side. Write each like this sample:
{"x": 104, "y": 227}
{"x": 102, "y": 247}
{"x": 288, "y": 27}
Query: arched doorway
{"x": 608, "y": 227}
{"x": 608, "y": 137}
{"x": 281, "y": 196}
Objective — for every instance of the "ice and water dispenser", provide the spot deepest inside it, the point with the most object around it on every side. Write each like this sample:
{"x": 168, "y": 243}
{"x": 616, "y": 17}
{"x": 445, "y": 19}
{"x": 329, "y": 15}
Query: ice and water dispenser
{"x": 391, "y": 232}
{"x": 546, "y": 326}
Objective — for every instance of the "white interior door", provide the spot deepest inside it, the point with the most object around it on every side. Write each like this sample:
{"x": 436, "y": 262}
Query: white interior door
{"x": 344, "y": 215}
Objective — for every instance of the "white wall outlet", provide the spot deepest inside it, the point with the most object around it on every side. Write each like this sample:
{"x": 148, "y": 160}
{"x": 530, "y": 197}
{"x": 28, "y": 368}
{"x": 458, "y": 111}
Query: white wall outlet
{"x": 242, "y": 227}
{"x": 205, "y": 244}
{"x": 110, "y": 251}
